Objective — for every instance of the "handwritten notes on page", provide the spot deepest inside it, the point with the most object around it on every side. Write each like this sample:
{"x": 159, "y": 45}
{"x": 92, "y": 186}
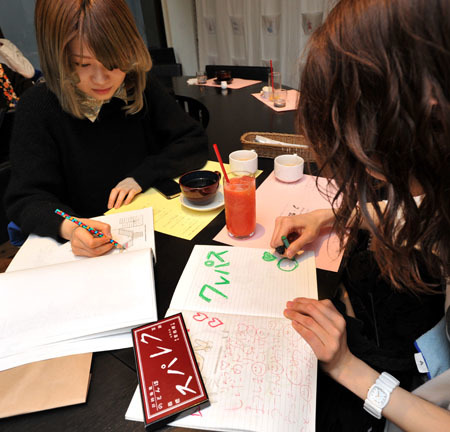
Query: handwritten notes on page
{"x": 132, "y": 229}
{"x": 243, "y": 281}
{"x": 75, "y": 307}
{"x": 259, "y": 373}
{"x": 275, "y": 198}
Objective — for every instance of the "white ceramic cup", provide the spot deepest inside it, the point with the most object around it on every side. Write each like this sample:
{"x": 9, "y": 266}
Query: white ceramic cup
{"x": 288, "y": 168}
{"x": 243, "y": 160}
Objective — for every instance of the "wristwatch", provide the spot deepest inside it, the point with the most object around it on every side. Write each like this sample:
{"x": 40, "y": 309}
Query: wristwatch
{"x": 379, "y": 394}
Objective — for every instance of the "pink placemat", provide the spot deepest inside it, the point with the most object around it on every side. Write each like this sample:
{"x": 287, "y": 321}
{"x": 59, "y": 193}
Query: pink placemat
{"x": 293, "y": 97}
{"x": 275, "y": 198}
{"x": 237, "y": 83}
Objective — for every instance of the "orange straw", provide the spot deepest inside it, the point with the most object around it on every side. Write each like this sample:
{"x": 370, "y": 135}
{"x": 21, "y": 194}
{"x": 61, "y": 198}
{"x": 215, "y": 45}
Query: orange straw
{"x": 221, "y": 163}
{"x": 271, "y": 75}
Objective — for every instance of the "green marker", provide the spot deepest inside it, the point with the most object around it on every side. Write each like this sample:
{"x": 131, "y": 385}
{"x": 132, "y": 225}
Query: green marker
{"x": 285, "y": 241}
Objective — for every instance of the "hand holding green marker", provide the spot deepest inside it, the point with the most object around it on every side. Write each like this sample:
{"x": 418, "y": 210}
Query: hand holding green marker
{"x": 286, "y": 242}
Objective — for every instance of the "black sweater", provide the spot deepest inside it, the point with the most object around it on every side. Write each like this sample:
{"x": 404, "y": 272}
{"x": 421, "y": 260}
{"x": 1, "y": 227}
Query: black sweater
{"x": 59, "y": 161}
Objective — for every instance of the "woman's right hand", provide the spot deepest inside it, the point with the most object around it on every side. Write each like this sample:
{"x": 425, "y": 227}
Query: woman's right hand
{"x": 323, "y": 328}
{"x": 307, "y": 226}
{"x": 83, "y": 242}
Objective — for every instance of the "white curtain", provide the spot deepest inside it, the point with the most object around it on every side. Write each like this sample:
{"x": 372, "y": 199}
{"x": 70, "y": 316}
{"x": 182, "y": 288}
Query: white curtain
{"x": 253, "y": 32}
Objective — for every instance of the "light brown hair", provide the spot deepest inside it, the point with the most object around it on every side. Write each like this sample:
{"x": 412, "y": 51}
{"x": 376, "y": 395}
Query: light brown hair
{"x": 107, "y": 27}
{"x": 375, "y": 99}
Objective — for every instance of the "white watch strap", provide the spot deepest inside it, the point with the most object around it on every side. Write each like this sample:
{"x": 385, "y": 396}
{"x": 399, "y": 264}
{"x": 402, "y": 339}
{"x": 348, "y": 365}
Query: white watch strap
{"x": 389, "y": 381}
{"x": 386, "y": 384}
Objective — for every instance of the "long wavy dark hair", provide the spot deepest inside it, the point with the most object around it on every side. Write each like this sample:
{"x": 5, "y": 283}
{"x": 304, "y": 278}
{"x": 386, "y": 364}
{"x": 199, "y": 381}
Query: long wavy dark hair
{"x": 375, "y": 99}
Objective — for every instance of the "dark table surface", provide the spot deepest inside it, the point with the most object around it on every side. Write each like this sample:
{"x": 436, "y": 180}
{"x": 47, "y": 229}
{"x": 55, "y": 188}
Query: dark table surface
{"x": 114, "y": 378}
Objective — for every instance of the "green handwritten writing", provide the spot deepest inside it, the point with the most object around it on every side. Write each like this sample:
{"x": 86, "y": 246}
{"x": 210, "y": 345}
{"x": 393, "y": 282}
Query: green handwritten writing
{"x": 212, "y": 289}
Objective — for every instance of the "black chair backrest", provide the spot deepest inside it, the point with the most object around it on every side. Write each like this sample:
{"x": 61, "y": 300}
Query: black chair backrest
{"x": 6, "y": 125}
{"x": 5, "y": 172}
{"x": 162, "y": 55}
{"x": 194, "y": 108}
{"x": 247, "y": 72}
{"x": 167, "y": 70}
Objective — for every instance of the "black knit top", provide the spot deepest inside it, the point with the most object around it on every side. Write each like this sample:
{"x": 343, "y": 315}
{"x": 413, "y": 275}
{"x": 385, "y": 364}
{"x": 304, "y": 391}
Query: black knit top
{"x": 59, "y": 161}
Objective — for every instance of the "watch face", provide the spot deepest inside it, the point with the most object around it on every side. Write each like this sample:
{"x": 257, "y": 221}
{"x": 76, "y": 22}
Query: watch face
{"x": 378, "y": 396}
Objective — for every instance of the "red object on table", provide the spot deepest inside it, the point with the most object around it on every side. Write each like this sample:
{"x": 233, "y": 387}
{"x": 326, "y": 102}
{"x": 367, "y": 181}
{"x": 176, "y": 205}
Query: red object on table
{"x": 240, "y": 206}
{"x": 169, "y": 378}
{"x": 219, "y": 158}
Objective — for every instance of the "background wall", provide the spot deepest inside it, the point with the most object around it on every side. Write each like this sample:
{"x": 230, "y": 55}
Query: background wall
{"x": 180, "y": 25}
{"x": 17, "y": 24}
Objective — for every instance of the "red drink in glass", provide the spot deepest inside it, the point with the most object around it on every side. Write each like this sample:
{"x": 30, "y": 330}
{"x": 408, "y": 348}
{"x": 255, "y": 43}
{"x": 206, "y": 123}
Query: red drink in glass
{"x": 240, "y": 204}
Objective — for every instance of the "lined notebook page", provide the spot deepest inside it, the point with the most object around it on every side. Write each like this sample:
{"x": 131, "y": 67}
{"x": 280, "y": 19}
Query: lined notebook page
{"x": 260, "y": 375}
{"x": 244, "y": 281}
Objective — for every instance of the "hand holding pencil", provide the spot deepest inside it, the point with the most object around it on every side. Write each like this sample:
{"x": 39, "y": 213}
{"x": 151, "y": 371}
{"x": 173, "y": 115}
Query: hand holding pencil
{"x": 93, "y": 239}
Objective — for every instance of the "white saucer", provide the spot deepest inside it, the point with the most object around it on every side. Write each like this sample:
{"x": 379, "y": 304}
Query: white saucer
{"x": 216, "y": 203}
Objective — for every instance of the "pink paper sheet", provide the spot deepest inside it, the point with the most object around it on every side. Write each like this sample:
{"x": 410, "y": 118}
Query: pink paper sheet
{"x": 274, "y": 198}
{"x": 293, "y": 97}
{"x": 236, "y": 84}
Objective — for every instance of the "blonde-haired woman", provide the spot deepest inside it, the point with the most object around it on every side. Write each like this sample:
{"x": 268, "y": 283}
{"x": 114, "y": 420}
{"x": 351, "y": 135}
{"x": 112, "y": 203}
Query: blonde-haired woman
{"x": 100, "y": 130}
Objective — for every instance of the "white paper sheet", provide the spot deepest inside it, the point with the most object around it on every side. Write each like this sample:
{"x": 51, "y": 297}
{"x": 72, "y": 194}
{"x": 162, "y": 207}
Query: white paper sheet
{"x": 50, "y": 304}
{"x": 134, "y": 229}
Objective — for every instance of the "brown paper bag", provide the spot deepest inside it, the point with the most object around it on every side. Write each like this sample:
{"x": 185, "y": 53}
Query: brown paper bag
{"x": 45, "y": 384}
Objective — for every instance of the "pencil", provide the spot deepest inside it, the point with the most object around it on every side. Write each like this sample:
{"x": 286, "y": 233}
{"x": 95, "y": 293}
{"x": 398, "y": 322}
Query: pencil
{"x": 95, "y": 232}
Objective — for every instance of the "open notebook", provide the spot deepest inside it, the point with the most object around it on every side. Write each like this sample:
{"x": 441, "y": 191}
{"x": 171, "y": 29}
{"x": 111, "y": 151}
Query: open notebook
{"x": 260, "y": 375}
{"x": 55, "y": 304}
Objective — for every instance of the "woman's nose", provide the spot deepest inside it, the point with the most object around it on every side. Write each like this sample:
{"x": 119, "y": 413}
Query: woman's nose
{"x": 99, "y": 75}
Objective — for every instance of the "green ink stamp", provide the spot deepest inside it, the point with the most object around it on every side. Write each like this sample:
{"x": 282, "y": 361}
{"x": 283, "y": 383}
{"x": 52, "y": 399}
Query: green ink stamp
{"x": 268, "y": 257}
{"x": 287, "y": 265}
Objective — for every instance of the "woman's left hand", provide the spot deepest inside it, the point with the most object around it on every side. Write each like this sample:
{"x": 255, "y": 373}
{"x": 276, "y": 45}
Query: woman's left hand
{"x": 123, "y": 193}
{"x": 323, "y": 328}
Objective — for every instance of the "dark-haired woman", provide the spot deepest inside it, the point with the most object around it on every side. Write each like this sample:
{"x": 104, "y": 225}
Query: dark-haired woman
{"x": 100, "y": 130}
{"x": 375, "y": 108}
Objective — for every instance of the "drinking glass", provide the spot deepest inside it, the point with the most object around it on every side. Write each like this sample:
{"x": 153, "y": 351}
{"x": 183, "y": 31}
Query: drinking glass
{"x": 280, "y": 98}
{"x": 276, "y": 83}
{"x": 201, "y": 77}
{"x": 240, "y": 204}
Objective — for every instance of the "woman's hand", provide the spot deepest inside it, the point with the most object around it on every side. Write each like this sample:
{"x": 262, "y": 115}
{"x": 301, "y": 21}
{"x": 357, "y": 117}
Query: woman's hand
{"x": 83, "y": 242}
{"x": 307, "y": 226}
{"x": 323, "y": 328}
{"x": 126, "y": 190}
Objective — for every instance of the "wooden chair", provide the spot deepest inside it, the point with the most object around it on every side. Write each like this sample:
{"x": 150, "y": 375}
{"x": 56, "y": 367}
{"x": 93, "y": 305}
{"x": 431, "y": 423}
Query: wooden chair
{"x": 248, "y": 72}
{"x": 194, "y": 108}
